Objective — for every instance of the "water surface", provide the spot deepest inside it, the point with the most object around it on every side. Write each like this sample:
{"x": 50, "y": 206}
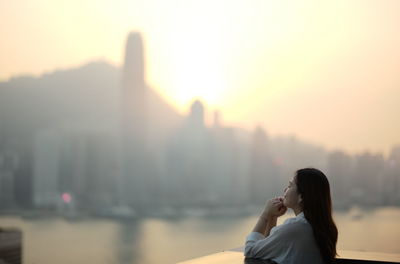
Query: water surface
{"x": 158, "y": 240}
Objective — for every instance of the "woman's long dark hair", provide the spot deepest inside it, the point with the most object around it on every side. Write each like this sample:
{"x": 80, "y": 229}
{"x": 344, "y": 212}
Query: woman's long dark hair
{"x": 314, "y": 188}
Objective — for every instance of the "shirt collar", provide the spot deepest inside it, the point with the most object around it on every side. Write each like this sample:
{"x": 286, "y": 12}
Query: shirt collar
{"x": 300, "y": 215}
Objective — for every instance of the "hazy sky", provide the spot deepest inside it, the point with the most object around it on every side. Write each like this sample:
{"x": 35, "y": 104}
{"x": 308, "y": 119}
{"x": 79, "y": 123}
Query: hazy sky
{"x": 325, "y": 71}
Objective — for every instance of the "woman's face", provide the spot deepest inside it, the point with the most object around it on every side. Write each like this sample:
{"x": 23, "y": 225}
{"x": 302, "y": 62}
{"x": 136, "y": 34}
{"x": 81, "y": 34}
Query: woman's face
{"x": 291, "y": 198}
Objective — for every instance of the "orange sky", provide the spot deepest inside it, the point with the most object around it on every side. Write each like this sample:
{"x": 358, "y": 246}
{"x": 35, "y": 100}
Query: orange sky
{"x": 327, "y": 72}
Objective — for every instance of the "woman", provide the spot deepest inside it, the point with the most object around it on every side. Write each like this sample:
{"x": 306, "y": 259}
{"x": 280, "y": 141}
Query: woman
{"x": 310, "y": 237}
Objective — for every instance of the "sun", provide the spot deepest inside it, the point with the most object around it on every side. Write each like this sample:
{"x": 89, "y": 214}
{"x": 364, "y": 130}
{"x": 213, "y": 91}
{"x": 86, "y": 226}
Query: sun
{"x": 198, "y": 76}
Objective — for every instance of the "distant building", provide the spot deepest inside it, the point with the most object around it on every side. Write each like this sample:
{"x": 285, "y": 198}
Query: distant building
{"x": 340, "y": 171}
{"x": 391, "y": 178}
{"x": 8, "y": 165}
{"x": 229, "y": 163}
{"x": 264, "y": 181}
{"x": 147, "y": 125}
{"x": 368, "y": 179}
{"x": 188, "y": 163}
{"x": 46, "y": 169}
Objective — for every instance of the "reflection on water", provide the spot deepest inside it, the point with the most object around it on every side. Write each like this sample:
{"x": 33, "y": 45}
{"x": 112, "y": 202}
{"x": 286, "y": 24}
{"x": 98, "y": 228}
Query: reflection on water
{"x": 152, "y": 240}
{"x": 125, "y": 246}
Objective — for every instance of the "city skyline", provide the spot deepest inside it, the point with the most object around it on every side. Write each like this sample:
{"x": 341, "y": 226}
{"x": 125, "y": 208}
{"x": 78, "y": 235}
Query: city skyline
{"x": 210, "y": 116}
{"x": 136, "y": 151}
{"x": 333, "y": 83}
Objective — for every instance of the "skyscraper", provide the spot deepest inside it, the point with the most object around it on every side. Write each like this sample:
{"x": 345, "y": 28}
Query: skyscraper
{"x": 134, "y": 99}
{"x": 134, "y": 123}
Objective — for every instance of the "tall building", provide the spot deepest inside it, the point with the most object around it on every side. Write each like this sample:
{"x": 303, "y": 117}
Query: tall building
{"x": 391, "y": 180}
{"x": 8, "y": 165}
{"x": 263, "y": 172}
{"x": 367, "y": 178}
{"x": 134, "y": 180}
{"x": 229, "y": 165}
{"x": 46, "y": 169}
{"x": 134, "y": 91}
{"x": 340, "y": 170}
{"x": 188, "y": 167}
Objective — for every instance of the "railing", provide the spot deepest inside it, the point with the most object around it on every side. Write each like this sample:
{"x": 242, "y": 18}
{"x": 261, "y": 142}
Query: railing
{"x": 235, "y": 256}
{"x": 10, "y": 246}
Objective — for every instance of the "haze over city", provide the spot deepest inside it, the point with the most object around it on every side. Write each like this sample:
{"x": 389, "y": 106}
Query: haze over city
{"x": 324, "y": 72}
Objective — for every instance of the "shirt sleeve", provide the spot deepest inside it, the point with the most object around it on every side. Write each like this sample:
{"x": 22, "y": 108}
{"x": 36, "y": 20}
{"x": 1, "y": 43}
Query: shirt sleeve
{"x": 272, "y": 246}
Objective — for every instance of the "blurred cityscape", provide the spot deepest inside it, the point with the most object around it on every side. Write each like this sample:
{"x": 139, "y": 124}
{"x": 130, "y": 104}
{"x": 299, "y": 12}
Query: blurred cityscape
{"x": 98, "y": 139}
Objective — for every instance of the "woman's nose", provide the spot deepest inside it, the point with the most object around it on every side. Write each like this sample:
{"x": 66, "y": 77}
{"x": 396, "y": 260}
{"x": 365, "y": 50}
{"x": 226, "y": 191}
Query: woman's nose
{"x": 284, "y": 190}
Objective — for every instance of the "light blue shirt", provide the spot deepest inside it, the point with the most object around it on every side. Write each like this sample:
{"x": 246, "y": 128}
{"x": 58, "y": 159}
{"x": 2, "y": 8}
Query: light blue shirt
{"x": 291, "y": 242}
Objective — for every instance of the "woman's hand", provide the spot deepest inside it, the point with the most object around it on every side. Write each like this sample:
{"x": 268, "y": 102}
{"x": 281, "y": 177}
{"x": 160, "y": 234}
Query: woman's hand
{"x": 274, "y": 208}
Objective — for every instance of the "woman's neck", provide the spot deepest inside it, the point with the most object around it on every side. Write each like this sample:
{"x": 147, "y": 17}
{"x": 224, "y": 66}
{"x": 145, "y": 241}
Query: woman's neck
{"x": 297, "y": 211}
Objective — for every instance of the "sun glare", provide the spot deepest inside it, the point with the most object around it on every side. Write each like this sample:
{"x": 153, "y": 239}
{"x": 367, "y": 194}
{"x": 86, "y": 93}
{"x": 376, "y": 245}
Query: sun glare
{"x": 198, "y": 78}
